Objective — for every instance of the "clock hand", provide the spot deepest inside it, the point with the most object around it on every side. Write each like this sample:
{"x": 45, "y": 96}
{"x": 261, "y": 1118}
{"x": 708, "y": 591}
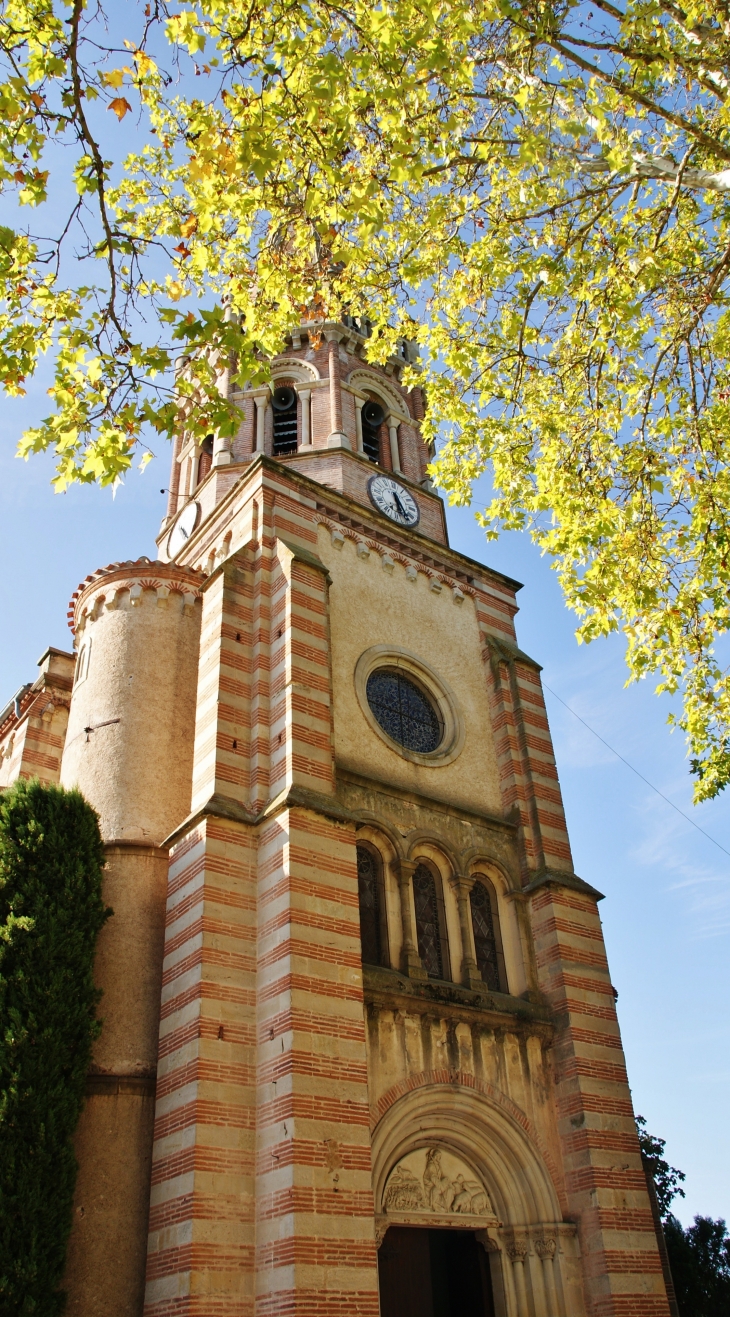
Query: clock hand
{"x": 399, "y": 505}
{"x": 184, "y": 533}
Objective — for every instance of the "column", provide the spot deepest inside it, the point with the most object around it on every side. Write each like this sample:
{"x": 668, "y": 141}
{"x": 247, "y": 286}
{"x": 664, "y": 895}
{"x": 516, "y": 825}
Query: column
{"x": 261, "y": 401}
{"x": 222, "y": 451}
{"x": 174, "y": 490}
{"x": 517, "y": 1252}
{"x": 222, "y": 442}
{"x": 411, "y": 960}
{"x": 336, "y": 438}
{"x": 304, "y": 398}
{"x": 394, "y": 454}
{"x": 470, "y": 976}
{"x": 545, "y": 1249}
{"x": 359, "y": 403}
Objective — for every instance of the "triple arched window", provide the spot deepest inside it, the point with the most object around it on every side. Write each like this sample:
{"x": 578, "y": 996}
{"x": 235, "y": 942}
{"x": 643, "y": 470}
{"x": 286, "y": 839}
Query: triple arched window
{"x": 430, "y": 928}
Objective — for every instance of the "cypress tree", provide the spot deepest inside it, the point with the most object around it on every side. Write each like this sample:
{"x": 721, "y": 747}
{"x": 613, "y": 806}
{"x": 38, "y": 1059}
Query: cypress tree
{"x": 51, "y": 911}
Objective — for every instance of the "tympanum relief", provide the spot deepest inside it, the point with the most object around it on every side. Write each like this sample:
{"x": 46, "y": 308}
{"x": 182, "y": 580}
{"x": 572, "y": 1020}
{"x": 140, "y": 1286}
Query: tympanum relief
{"x": 436, "y": 1182}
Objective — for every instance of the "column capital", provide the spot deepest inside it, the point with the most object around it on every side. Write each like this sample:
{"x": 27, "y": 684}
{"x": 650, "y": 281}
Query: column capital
{"x": 462, "y": 882}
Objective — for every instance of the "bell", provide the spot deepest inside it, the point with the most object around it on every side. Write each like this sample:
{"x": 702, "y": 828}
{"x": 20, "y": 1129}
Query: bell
{"x": 373, "y": 414}
{"x": 284, "y": 399}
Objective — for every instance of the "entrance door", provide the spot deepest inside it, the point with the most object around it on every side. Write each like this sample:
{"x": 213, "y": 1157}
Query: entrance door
{"x": 433, "y": 1273}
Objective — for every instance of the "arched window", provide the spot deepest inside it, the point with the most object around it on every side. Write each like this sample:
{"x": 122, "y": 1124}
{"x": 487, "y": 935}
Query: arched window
{"x": 372, "y": 914}
{"x": 373, "y": 416}
{"x": 284, "y": 407}
{"x": 487, "y": 940}
{"x": 205, "y": 461}
{"x": 430, "y": 923}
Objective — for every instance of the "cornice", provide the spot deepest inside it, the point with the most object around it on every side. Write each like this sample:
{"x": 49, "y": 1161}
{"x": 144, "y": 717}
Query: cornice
{"x": 388, "y": 989}
{"x": 341, "y": 507}
{"x": 480, "y": 818}
{"x": 469, "y": 574}
{"x": 348, "y": 513}
{"x": 224, "y": 807}
{"x": 556, "y": 878}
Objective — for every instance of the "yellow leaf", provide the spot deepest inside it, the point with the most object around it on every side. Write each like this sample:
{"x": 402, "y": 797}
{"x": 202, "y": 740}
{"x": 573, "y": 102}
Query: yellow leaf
{"x": 144, "y": 63}
{"x": 120, "y": 105}
{"x": 189, "y": 226}
{"x": 114, "y": 78}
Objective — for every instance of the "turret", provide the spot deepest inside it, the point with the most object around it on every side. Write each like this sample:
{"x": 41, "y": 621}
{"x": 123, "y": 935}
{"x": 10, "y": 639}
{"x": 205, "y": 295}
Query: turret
{"x": 129, "y": 749}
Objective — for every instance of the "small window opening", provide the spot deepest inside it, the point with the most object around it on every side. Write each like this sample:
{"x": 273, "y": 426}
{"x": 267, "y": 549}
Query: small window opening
{"x": 284, "y": 407}
{"x": 205, "y": 461}
{"x": 486, "y": 937}
{"x": 373, "y": 416}
{"x": 371, "y": 914}
{"x": 428, "y": 922}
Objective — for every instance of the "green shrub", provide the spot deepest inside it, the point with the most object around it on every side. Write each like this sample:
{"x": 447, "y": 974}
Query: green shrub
{"x": 51, "y": 911}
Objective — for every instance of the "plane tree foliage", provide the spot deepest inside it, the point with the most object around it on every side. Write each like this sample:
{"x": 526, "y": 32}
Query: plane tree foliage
{"x": 537, "y": 193}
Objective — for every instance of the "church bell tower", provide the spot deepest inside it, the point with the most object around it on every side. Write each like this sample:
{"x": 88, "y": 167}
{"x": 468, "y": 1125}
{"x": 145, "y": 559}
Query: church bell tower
{"x": 361, "y": 992}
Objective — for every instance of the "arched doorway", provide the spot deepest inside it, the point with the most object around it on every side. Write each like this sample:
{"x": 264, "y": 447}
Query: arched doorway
{"x": 461, "y": 1159}
{"x": 433, "y": 1273}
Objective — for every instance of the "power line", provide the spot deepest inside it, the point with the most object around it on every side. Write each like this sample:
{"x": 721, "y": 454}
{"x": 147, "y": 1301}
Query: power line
{"x": 686, "y": 817}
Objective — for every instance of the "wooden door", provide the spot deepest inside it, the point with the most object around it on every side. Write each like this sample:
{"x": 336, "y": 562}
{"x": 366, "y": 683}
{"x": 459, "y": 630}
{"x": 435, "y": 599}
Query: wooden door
{"x": 404, "y": 1267}
{"x": 433, "y": 1273}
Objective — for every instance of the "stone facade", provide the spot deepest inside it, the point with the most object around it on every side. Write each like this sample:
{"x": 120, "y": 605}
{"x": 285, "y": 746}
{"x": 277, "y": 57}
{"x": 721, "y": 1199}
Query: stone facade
{"x": 263, "y": 1106}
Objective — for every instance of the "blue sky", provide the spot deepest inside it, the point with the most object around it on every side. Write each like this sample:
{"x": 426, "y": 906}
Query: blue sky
{"x": 667, "y": 909}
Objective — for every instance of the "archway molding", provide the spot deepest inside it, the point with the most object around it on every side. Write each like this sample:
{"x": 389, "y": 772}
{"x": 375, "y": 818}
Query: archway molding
{"x": 424, "y": 844}
{"x": 478, "y": 859}
{"x": 366, "y": 381}
{"x": 482, "y": 1126}
{"x": 369, "y": 824}
{"x": 292, "y": 368}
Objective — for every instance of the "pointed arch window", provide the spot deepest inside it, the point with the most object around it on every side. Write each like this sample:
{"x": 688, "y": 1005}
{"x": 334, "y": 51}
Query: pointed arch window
{"x": 487, "y": 939}
{"x": 430, "y": 922}
{"x": 372, "y": 913}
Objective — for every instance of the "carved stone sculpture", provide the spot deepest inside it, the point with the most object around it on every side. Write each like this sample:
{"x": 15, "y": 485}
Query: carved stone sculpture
{"x": 436, "y": 1181}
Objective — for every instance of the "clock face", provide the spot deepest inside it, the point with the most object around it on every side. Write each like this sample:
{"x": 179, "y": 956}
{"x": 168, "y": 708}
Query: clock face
{"x": 394, "y": 500}
{"x": 183, "y": 528}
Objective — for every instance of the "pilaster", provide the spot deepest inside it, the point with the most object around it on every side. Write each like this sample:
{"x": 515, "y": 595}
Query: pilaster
{"x": 261, "y": 1199}
{"x": 605, "y": 1184}
{"x": 315, "y": 1229}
